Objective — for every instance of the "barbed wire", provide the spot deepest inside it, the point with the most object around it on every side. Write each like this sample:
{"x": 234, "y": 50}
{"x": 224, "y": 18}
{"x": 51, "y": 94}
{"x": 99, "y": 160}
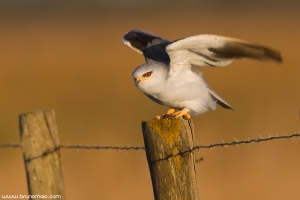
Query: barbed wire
{"x": 11, "y": 145}
{"x": 120, "y": 148}
{"x": 236, "y": 142}
{"x": 227, "y": 144}
{"x": 248, "y": 141}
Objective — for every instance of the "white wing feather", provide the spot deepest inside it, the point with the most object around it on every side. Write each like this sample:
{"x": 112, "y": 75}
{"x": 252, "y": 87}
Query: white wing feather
{"x": 213, "y": 50}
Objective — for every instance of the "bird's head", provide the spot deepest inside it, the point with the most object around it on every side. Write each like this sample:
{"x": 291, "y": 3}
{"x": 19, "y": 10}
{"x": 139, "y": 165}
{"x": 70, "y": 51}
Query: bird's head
{"x": 149, "y": 75}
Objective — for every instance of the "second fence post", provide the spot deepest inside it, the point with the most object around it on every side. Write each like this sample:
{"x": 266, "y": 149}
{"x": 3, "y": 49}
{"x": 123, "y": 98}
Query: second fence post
{"x": 39, "y": 137}
{"x": 168, "y": 144}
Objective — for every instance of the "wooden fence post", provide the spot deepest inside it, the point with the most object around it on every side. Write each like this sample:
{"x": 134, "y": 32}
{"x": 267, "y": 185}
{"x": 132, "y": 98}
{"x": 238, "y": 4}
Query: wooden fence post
{"x": 168, "y": 144}
{"x": 39, "y": 138}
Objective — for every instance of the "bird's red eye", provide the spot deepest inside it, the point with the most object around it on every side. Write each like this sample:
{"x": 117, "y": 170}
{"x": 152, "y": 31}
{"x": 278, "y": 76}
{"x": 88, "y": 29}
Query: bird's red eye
{"x": 147, "y": 74}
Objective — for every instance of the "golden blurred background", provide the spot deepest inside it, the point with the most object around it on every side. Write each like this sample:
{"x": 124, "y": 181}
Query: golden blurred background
{"x": 68, "y": 56}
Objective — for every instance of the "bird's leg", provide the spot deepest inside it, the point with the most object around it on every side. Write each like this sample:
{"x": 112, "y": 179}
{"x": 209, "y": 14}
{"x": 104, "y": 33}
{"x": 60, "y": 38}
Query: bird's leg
{"x": 183, "y": 112}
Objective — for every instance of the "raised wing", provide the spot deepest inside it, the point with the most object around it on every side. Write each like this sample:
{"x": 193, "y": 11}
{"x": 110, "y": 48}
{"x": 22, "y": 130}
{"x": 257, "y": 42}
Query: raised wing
{"x": 213, "y": 50}
{"x": 140, "y": 40}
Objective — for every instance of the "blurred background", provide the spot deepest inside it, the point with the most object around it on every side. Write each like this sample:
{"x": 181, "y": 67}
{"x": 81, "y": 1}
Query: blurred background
{"x": 68, "y": 56}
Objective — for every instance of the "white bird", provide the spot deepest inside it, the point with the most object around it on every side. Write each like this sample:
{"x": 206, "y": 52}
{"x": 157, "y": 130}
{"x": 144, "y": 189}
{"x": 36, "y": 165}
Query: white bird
{"x": 169, "y": 77}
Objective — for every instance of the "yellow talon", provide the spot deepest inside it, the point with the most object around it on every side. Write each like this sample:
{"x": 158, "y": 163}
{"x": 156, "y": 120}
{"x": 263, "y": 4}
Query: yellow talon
{"x": 182, "y": 113}
{"x": 170, "y": 111}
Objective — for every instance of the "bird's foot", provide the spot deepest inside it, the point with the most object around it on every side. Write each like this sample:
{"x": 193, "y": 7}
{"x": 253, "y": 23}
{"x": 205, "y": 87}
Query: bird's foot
{"x": 182, "y": 113}
{"x": 172, "y": 114}
{"x": 169, "y": 114}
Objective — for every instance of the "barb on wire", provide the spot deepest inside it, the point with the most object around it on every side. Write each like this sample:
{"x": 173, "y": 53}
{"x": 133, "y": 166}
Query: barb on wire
{"x": 197, "y": 147}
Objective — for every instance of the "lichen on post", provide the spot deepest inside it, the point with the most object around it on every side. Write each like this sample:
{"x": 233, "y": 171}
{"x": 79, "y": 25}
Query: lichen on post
{"x": 168, "y": 144}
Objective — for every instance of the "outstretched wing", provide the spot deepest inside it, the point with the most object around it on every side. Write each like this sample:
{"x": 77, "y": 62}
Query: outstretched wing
{"x": 213, "y": 50}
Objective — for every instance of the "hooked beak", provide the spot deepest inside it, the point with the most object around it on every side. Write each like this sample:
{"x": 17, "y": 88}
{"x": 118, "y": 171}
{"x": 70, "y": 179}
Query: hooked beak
{"x": 138, "y": 79}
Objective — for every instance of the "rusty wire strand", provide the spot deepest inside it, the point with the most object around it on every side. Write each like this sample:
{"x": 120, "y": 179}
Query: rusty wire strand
{"x": 237, "y": 142}
{"x": 11, "y": 145}
{"x": 197, "y": 147}
{"x": 125, "y": 148}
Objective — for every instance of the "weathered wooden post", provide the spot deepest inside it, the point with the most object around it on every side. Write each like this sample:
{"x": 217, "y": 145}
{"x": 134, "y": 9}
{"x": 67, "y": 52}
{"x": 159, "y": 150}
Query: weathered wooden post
{"x": 168, "y": 144}
{"x": 39, "y": 138}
